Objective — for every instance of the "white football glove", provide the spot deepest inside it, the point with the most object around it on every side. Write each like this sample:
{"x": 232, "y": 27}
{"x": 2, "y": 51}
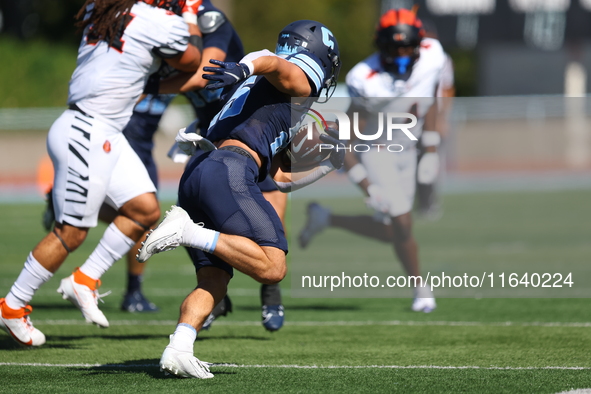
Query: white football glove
{"x": 188, "y": 142}
{"x": 177, "y": 155}
{"x": 428, "y": 168}
{"x": 377, "y": 199}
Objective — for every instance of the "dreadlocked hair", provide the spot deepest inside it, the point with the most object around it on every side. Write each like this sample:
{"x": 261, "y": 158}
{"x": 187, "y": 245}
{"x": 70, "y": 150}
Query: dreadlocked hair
{"x": 107, "y": 17}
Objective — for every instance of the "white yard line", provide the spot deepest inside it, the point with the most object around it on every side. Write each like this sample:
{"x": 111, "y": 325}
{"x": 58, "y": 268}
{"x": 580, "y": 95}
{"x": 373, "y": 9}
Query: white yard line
{"x": 296, "y": 366}
{"x": 325, "y": 323}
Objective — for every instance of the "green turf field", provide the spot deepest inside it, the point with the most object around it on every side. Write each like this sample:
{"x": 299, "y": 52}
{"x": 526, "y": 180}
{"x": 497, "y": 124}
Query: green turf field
{"x": 330, "y": 344}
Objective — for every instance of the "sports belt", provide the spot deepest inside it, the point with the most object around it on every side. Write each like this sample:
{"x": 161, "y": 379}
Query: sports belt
{"x": 238, "y": 150}
{"x": 74, "y": 107}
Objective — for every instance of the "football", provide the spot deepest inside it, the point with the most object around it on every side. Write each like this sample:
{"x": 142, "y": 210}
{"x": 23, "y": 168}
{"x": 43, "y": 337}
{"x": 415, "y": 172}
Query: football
{"x": 303, "y": 152}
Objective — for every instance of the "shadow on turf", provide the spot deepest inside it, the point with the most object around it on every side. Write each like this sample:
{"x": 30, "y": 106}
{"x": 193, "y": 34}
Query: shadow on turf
{"x": 314, "y": 307}
{"x": 148, "y": 367}
{"x": 7, "y": 343}
{"x": 57, "y": 306}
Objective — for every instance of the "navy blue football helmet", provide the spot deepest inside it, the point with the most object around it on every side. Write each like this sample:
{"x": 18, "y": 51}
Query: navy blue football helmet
{"x": 314, "y": 37}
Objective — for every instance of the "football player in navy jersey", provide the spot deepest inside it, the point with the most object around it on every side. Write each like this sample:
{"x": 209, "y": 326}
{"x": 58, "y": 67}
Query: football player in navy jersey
{"x": 223, "y": 217}
{"x": 220, "y": 42}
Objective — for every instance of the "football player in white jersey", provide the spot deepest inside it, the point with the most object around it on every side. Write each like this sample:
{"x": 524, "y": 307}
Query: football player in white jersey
{"x": 401, "y": 77}
{"x": 124, "y": 41}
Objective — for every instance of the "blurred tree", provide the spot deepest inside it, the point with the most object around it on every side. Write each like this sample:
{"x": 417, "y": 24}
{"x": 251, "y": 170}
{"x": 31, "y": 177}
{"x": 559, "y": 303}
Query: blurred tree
{"x": 352, "y": 22}
{"x": 47, "y": 19}
{"x": 465, "y": 66}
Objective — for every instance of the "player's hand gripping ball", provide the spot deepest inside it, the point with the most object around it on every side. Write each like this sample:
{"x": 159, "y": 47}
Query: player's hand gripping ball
{"x": 308, "y": 149}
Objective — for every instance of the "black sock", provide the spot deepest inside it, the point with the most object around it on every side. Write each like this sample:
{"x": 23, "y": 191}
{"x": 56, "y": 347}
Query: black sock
{"x": 271, "y": 294}
{"x": 134, "y": 283}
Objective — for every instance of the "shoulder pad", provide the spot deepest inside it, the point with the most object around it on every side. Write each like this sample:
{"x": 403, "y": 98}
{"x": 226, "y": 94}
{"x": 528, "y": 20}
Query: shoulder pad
{"x": 210, "y": 21}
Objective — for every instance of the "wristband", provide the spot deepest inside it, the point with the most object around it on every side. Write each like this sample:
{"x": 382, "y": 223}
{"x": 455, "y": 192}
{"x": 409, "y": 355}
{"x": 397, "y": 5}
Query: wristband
{"x": 196, "y": 41}
{"x": 250, "y": 66}
{"x": 357, "y": 173}
{"x": 430, "y": 138}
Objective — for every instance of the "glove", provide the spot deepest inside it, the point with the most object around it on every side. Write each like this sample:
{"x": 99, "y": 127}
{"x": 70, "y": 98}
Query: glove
{"x": 227, "y": 74}
{"x": 189, "y": 11}
{"x": 177, "y": 155}
{"x": 188, "y": 142}
{"x": 377, "y": 199}
{"x": 428, "y": 168}
{"x": 337, "y": 156}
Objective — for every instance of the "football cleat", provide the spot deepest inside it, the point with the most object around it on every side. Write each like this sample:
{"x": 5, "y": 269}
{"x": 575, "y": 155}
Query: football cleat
{"x": 273, "y": 317}
{"x": 137, "y": 302}
{"x": 85, "y": 299}
{"x": 221, "y": 309}
{"x": 318, "y": 220}
{"x": 167, "y": 236}
{"x": 183, "y": 364}
{"x": 16, "y": 323}
{"x": 423, "y": 300}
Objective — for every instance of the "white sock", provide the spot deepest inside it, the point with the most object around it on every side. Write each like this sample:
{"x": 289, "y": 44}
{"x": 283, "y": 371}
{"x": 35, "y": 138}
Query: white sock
{"x": 112, "y": 247}
{"x": 423, "y": 292}
{"x": 30, "y": 279}
{"x": 198, "y": 237}
{"x": 184, "y": 337}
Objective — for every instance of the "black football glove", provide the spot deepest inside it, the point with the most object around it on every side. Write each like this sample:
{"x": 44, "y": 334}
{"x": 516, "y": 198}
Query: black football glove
{"x": 227, "y": 74}
{"x": 337, "y": 156}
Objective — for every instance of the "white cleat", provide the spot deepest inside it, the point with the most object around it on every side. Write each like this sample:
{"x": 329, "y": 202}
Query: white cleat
{"x": 183, "y": 364}
{"x": 18, "y": 325}
{"x": 423, "y": 300}
{"x": 318, "y": 220}
{"x": 84, "y": 299}
{"x": 167, "y": 236}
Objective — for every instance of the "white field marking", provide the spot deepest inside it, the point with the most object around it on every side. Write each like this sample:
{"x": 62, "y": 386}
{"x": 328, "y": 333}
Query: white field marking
{"x": 326, "y": 323}
{"x": 298, "y": 366}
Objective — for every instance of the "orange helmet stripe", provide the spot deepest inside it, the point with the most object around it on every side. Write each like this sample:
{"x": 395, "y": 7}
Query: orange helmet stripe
{"x": 401, "y": 16}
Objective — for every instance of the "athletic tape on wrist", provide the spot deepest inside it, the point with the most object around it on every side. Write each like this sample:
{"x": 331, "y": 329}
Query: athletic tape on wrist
{"x": 430, "y": 138}
{"x": 357, "y": 173}
{"x": 189, "y": 17}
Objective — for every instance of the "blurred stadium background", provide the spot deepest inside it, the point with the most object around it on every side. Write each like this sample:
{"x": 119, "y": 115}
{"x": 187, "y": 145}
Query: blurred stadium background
{"x": 518, "y": 131}
{"x": 520, "y": 77}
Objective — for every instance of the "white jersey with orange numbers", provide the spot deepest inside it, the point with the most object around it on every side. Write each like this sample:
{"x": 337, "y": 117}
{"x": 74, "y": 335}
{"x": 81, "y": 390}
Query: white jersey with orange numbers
{"x": 377, "y": 90}
{"x": 109, "y": 79}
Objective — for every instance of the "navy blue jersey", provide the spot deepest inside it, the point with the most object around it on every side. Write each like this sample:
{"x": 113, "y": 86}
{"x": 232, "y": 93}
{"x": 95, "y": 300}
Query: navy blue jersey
{"x": 217, "y": 32}
{"x": 145, "y": 119}
{"x": 261, "y": 116}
